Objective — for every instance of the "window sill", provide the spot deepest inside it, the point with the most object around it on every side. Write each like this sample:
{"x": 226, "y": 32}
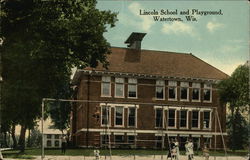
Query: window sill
{"x": 158, "y": 99}
{"x": 172, "y": 99}
{"x": 119, "y": 126}
{"x": 184, "y": 100}
{"x": 195, "y": 128}
{"x": 172, "y": 127}
{"x": 195, "y": 100}
{"x": 183, "y": 128}
{"x": 119, "y": 97}
{"x": 106, "y": 96}
{"x": 132, "y": 97}
{"x": 207, "y": 101}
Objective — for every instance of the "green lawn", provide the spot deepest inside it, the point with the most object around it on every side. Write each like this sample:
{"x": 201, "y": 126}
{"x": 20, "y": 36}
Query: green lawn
{"x": 29, "y": 153}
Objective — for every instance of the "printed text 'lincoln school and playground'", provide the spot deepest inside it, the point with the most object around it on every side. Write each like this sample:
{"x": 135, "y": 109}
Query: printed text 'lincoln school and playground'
{"x": 189, "y": 13}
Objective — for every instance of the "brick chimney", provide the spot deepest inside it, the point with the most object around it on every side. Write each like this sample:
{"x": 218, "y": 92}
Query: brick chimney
{"x": 134, "y": 40}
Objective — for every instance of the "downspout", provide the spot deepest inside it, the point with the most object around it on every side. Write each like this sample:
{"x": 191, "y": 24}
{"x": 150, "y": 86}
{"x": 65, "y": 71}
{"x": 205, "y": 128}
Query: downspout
{"x": 87, "y": 133}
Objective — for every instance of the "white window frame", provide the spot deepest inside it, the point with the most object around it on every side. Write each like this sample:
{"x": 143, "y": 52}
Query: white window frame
{"x": 109, "y": 120}
{"x": 186, "y": 119}
{"x": 122, "y": 116}
{"x": 207, "y": 87}
{"x": 196, "y": 86}
{"x": 175, "y": 117}
{"x": 210, "y": 120}
{"x": 172, "y": 84}
{"x": 162, "y": 117}
{"x": 184, "y": 85}
{"x": 160, "y": 83}
{"x": 119, "y": 81}
{"x": 199, "y": 118}
{"x": 105, "y": 81}
{"x": 135, "y": 117}
{"x": 133, "y": 83}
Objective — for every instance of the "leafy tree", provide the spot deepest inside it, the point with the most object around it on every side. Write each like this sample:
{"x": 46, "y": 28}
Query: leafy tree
{"x": 235, "y": 92}
{"x": 43, "y": 40}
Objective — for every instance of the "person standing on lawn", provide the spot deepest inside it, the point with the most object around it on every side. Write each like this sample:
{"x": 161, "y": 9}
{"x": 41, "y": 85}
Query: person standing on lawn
{"x": 172, "y": 151}
{"x": 176, "y": 143}
{"x": 64, "y": 143}
{"x": 189, "y": 149}
{"x": 206, "y": 153}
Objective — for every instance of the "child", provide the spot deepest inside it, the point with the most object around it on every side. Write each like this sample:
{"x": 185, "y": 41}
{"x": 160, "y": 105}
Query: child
{"x": 206, "y": 153}
{"x": 189, "y": 149}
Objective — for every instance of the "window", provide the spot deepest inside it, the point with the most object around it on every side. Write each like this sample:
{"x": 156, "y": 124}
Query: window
{"x": 172, "y": 90}
{"x": 105, "y": 139}
{"x": 56, "y": 143}
{"x": 171, "y": 118}
{"x": 49, "y": 143}
{"x": 183, "y": 118}
{"x": 119, "y": 87}
{"x": 207, "y": 92}
{"x": 132, "y": 88}
{"x": 105, "y": 115}
{"x": 106, "y": 86}
{"x": 195, "y": 119}
{"x": 131, "y": 139}
{"x": 49, "y": 136}
{"x": 206, "y": 119}
{"x": 119, "y": 139}
{"x": 184, "y": 91}
{"x": 159, "y": 143}
{"x": 196, "y": 91}
{"x": 56, "y": 136}
{"x": 160, "y": 89}
{"x": 207, "y": 141}
{"x": 131, "y": 117}
{"x": 119, "y": 116}
{"x": 183, "y": 141}
{"x": 196, "y": 142}
{"x": 158, "y": 117}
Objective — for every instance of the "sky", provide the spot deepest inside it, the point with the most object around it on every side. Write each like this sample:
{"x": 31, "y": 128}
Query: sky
{"x": 220, "y": 40}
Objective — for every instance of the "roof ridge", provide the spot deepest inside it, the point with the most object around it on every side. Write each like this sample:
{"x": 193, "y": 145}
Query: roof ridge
{"x": 171, "y": 52}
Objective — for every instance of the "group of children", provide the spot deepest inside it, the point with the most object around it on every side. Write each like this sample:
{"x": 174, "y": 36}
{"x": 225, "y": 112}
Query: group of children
{"x": 174, "y": 152}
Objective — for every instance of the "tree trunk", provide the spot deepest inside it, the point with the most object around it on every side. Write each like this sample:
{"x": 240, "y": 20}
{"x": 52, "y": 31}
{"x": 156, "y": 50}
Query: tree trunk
{"x": 13, "y": 136}
{"x": 28, "y": 143}
{"x": 21, "y": 141}
{"x": 5, "y": 140}
{"x": 233, "y": 128}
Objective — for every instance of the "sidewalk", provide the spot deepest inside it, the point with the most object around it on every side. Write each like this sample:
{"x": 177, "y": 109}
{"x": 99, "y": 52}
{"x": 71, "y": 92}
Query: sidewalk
{"x": 158, "y": 157}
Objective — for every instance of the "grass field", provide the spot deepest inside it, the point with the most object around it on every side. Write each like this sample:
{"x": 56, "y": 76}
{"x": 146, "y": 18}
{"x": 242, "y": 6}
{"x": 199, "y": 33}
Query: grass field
{"x": 29, "y": 153}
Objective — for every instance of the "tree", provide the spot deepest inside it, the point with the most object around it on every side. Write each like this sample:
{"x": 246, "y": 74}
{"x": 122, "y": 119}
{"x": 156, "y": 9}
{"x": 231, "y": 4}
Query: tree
{"x": 43, "y": 40}
{"x": 235, "y": 92}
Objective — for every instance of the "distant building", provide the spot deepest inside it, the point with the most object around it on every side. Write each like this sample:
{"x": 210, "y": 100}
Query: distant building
{"x": 52, "y": 137}
{"x": 146, "y": 96}
{"x": 52, "y": 140}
